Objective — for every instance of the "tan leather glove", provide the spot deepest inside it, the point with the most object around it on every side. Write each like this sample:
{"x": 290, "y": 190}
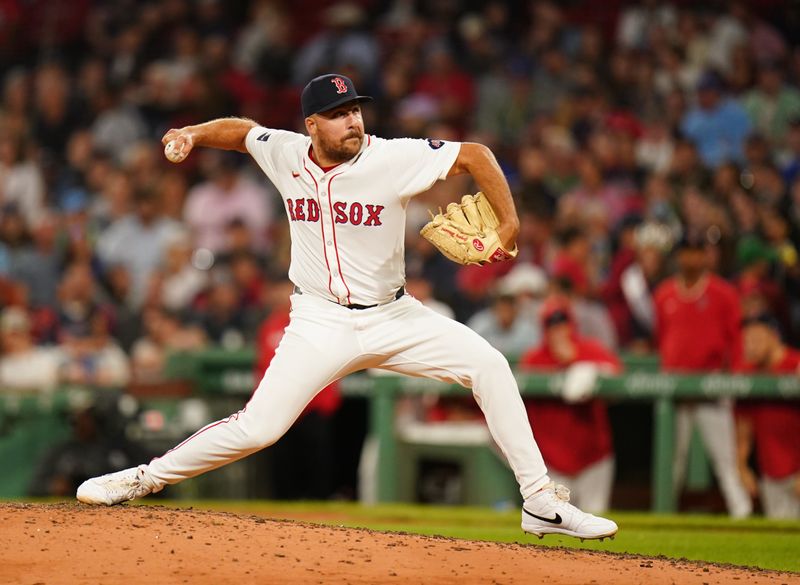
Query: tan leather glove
{"x": 467, "y": 232}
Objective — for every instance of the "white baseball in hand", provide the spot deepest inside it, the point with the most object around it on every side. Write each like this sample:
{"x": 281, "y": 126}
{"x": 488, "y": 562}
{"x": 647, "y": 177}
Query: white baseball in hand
{"x": 172, "y": 153}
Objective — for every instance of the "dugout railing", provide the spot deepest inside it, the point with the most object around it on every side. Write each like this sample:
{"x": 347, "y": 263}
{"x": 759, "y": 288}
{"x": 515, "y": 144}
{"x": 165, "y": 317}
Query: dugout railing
{"x": 220, "y": 373}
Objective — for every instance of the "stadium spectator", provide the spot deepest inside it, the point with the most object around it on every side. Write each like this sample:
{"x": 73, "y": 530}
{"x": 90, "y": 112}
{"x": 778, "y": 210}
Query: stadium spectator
{"x": 92, "y": 357}
{"x": 629, "y": 295}
{"x": 687, "y": 168}
{"x": 451, "y": 89}
{"x": 572, "y": 262}
{"x": 424, "y": 261}
{"x": 773, "y": 427}
{"x": 504, "y": 104}
{"x": 21, "y": 180}
{"x": 696, "y": 296}
{"x": 180, "y": 280}
{"x": 263, "y": 47}
{"x": 79, "y": 299}
{"x": 654, "y": 150}
{"x": 239, "y": 240}
{"x": 37, "y": 264}
{"x": 421, "y": 289}
{"x": 592, "y": 318}
{"x": 756, "y": 259}
{"x": 118, "y": 126}
{"x": 718, "y": 125}
{"x": 222, "y": 316}
{"x": 536, "y": 242}
{"x": 248, "y": 275}
{"x": 528, "y": 285}
{"x": 594, "y": 199}
{"x": 502, "y": 324}
{"x": 342, "y": 46}
{"x": 127, "y": 323}
{"x": 163, "y": 333}
{"x": 575, "y": 439}
{"x": 54, "y": 117}
{"x": 772, "y": 105}
{"x": 137, "y": 241}
{"x": 23, "y": 364}
{"x": 641, "y": 20}
{"x": 789, "y": 158}
{"x": 777, "y": 233}
{"x": 226, "y": 196}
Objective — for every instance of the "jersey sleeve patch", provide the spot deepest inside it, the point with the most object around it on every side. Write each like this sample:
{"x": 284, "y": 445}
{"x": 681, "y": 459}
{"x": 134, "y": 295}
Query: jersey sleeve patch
{"x": 264, "y": 137}
{"x": 435, "y": 144}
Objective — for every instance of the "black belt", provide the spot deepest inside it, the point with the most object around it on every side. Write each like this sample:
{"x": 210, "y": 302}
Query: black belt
{"x": 400, "y": 292}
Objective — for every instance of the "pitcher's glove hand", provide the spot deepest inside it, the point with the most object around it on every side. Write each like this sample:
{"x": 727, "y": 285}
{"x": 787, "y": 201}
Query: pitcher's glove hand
{"x": 467, "y": 232}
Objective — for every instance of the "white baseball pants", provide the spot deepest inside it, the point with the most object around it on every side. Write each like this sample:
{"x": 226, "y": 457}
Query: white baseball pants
{"x": 717, "y": 430}
{"x": 324, "y": 342}
{"x": 779, "y": 498}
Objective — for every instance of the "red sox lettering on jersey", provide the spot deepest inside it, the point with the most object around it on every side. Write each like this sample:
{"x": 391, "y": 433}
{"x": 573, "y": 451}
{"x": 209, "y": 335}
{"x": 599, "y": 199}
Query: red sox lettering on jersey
{"x": 308, "y": 210}
{"x": 348, "y": 223}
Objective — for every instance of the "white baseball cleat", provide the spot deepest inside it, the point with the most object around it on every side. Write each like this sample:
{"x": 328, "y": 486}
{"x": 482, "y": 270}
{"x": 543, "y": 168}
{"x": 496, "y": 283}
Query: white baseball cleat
{"x": 114, "y": 488}
{"x": 548, "y": 511}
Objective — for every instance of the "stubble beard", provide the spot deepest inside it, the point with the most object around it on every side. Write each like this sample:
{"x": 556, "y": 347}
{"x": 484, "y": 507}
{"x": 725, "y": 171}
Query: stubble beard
{"x": 344, "y": 149}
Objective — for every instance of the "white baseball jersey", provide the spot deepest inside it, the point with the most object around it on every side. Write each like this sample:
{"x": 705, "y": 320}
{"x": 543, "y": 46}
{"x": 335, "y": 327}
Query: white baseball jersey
{"x": 348, "y": 224}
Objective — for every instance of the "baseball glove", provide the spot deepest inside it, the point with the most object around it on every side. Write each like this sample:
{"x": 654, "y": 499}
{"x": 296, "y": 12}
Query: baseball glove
{"x": 467, "y": 232}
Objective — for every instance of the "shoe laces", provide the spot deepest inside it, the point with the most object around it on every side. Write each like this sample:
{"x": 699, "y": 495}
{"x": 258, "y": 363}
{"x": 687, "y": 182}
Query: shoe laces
{"x": 130, "y": 488}
{"x": 560, "y": 491}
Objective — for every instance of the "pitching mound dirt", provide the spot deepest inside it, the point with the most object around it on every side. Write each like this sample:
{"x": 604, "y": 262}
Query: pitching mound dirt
{"x": 75, "y": 544}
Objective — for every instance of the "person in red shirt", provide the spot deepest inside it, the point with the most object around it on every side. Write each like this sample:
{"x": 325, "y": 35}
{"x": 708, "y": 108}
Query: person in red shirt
{"x": 303, "y": 458}
{"x": 573, "y": 259}
{"x": 697, "y": 330}
{"x": 773, "y": 425}
{"x": 575, "y": 439}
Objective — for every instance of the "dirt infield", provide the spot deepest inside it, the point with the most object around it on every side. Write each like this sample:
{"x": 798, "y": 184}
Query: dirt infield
{"x": 75, "y": 544}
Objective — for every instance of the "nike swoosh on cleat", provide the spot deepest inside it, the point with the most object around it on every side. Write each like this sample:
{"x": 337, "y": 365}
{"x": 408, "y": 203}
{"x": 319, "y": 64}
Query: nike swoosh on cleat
{"x": 556, "y": 520}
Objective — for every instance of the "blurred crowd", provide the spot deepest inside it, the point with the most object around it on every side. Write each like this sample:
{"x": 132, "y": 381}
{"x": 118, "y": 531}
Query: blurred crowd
{"x": 623, "y": 127}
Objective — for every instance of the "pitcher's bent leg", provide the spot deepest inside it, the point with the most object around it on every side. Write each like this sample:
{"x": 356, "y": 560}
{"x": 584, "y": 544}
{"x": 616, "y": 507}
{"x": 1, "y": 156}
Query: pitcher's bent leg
{"x": 297, "y": 373}
{"x": 423, "y": 343}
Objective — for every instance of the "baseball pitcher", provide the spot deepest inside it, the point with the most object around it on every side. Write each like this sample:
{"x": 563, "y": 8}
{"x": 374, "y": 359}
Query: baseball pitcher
{"x": 345, "y": 194}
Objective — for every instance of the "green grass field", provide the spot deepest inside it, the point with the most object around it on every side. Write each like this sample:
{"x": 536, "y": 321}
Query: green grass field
{"x": 754, "y": 542}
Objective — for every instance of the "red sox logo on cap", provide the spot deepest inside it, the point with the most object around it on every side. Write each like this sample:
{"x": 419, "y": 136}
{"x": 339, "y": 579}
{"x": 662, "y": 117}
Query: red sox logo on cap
{"x": 317, "y": 95}
{"x": 340, "y": 85}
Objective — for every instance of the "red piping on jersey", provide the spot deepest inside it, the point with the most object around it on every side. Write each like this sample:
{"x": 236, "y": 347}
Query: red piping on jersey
{"x": 322, "y": 229}
{"x": 335, "y": 245}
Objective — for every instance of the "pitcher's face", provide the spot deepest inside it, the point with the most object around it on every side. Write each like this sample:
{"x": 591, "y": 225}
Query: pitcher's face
{"x": 337, "y": 133}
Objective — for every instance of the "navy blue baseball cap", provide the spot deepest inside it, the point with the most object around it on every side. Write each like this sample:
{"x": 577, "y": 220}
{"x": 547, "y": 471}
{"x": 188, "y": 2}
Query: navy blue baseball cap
{"x": 329, "y": 91}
